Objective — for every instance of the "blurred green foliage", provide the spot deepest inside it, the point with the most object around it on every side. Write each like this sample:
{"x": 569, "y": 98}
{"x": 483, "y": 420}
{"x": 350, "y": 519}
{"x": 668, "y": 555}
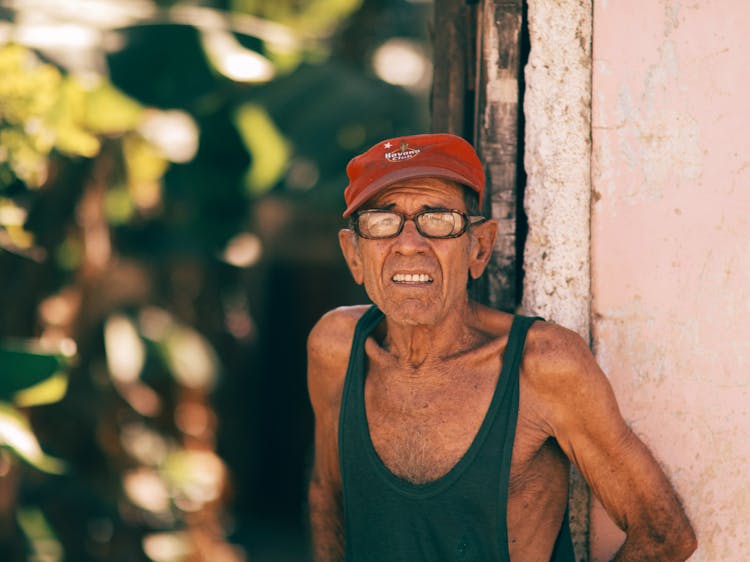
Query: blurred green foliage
{"x": 44, "y": 545}
{"x": 120, "y": 195}
{"x": 16, "y": 434}
{"x": 316, "y": 18}
{"x": 23, "y": 369}
{"x": 42, "y": 110}
{"x": 28, "y": 378}
{"x": 266, "y": 144}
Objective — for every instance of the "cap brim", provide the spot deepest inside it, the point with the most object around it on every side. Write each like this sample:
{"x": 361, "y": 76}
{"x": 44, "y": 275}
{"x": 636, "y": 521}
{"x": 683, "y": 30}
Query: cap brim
{"x": 387, "y": 180}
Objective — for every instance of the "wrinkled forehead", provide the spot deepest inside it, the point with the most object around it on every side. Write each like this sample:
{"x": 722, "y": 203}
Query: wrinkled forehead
{"x": 422, "y": 192}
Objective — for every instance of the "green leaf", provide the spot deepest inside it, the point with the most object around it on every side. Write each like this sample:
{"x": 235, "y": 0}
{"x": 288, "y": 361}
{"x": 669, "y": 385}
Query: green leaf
{"x": 17, "y": 435}
{"x": 22, "y": 369}
{"x": 67, "y": 121}
{"x": 46, "y": 392}
{"x": 144, "y": 162}
{"x": 109, "y": 111}
{"x": 266, "y": 144}
{"x": 43, "y": 544}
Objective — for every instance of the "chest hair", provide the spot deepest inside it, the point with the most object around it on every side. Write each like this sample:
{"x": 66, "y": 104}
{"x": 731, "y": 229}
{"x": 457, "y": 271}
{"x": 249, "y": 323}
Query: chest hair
{"x": 419, "y": 431}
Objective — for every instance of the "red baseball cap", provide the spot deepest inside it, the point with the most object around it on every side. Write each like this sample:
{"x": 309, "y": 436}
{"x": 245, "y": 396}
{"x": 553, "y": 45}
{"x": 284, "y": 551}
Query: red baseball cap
{"x": 442, "y": 155}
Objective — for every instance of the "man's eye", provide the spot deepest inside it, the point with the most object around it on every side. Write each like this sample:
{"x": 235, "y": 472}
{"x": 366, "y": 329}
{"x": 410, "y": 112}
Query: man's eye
{"x": 384, "y": 220}
{"x": 439, "y": 218}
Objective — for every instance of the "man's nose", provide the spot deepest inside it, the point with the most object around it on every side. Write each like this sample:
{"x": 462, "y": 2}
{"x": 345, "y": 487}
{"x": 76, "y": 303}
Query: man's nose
{"x": 410, "y": 240}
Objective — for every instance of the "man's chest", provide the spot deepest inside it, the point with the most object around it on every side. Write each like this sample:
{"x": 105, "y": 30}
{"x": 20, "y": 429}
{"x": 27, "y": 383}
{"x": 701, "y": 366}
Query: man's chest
{"x": 421, "y": 432}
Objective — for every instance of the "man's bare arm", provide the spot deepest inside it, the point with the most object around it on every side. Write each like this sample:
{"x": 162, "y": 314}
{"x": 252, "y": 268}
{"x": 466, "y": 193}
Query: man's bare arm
{"x": 328, "y": 353}
{"x": 326, "y": 519}
{"x": 579, "y": 405}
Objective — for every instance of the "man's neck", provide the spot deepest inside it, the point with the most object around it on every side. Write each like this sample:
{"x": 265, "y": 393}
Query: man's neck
{"x": 414, "y": 347}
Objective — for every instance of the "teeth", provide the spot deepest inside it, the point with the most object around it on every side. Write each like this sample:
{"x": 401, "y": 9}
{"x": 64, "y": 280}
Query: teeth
{"x": 412, "y": 278}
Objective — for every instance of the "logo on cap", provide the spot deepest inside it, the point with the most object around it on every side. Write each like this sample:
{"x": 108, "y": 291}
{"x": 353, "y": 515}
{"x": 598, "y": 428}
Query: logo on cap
{"x": 404, "y": 152}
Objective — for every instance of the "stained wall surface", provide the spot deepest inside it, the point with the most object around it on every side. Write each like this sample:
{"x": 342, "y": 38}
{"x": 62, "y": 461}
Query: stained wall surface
{"x": 671, "y": 249}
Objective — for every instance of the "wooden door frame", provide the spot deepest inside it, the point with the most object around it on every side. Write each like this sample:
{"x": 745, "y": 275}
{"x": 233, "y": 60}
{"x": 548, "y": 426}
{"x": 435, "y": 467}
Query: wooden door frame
{"x": 477, "y": 94}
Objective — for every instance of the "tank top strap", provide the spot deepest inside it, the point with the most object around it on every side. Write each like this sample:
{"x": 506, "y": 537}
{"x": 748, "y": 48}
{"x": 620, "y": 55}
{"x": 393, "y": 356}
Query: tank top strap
{"x": 563, "y": 549}
{"x": 365, "y": 325}
{"x": 511, "y": 369}
{"x": 354, "y": 380}
{"x": 517, "y": 340}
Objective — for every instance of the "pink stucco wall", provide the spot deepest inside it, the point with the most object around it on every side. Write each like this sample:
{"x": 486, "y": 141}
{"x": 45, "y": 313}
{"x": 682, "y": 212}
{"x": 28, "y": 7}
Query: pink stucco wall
{"x": 671, "y": 249}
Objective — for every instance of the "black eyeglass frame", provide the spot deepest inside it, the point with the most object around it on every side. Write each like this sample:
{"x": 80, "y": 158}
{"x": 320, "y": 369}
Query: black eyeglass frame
{"x": 468, "y": 222}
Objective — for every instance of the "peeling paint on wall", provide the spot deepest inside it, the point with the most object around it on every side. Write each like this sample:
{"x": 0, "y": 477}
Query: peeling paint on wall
{"x": 670, "y": 252}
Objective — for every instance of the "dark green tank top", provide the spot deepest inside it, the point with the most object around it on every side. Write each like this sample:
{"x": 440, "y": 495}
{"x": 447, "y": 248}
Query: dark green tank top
{"x": 461, "y": 516}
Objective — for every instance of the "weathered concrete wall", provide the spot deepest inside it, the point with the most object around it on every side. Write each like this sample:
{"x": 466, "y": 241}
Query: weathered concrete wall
{"x": 557, "y": 106}
{"x": 557, "y": 159}
{"x": 671, "y": 249}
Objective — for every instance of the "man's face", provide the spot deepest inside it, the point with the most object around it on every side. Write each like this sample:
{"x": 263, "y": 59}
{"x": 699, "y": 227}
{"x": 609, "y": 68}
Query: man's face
{"x": 415, "y": 280}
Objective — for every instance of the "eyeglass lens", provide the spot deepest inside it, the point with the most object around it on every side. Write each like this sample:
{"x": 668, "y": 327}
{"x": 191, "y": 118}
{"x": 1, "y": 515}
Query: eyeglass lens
{"x": 433, "y": 224}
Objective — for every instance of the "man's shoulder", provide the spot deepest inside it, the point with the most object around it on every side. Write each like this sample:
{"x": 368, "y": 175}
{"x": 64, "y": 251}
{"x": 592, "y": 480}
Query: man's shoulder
{"x": 328, "y": 348}
{"x": 335, "y": 328}
{"x": 561, "y": 377}
{"x": 555, "y": 355}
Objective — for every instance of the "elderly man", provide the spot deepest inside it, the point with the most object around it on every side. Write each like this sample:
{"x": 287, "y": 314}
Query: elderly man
{"x": 444, "y": 429}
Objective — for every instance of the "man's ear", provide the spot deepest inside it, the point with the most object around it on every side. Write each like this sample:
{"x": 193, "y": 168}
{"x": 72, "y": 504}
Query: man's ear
{"x": 350, "y": 249}
{"x": 484, "y": 235}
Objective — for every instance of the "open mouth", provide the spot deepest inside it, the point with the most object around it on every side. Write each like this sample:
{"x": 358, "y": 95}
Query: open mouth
{"x": 411, "y": 278}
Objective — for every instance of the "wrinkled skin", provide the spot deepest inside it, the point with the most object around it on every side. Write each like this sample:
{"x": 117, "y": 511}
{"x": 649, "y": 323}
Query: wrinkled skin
{"x": 443, "y": 301}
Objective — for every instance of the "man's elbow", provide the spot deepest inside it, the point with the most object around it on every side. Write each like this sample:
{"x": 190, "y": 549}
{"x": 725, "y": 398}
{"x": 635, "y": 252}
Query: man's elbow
{"x": 671, "y": 541}
{"x": 678, "y": 544}
{"x": 686, "y": 543}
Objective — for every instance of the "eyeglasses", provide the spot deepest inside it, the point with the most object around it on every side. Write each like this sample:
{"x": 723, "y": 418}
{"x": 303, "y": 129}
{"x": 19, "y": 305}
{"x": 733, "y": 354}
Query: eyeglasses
{"x": 378, "y": 224}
